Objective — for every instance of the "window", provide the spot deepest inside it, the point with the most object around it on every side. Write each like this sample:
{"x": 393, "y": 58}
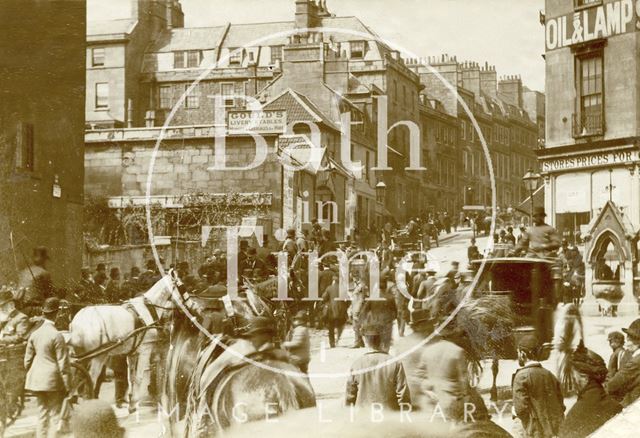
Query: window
{"x": 164, "y": 97}
{"x": 192, "y": 100}
{"x": 357, "y": 49}
{"x": 178, "y": 59}
{"x": 276, "y": 54}
{"x": 24, "y": 146}
{"x": 186, "y": 58}
{"x": 590, "y": 109}
{"x": 235, "y": 56}
{"x": 227, "y": 91}
{"x": 102, "y": 95}
{"x": 97, "y": 57}
{"x": 193, "y": 58}
{"x": 579, "y": 3}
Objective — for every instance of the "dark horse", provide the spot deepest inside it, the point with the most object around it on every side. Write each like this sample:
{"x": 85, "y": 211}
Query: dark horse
{"x": 207, "y": 379}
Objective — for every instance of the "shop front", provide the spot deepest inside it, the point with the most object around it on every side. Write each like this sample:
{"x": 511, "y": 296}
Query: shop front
{"x": 592, "y": 197}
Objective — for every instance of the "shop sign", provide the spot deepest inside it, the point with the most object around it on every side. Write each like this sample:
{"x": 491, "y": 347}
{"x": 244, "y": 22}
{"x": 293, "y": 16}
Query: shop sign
{"x": 593, "y": 160}
{"x": 261, "y": 122}
{"x": 603, "y": 21}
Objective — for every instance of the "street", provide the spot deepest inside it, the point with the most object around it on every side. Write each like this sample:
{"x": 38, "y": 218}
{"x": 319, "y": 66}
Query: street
{"x": 325, "y": 361}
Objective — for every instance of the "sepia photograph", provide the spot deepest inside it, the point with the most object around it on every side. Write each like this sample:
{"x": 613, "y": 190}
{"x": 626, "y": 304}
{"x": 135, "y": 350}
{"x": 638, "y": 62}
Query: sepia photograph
{"x": 319, "y": 218}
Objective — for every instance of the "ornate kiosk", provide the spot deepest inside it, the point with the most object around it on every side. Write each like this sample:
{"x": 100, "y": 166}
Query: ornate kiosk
{"x": 611, "y": 264}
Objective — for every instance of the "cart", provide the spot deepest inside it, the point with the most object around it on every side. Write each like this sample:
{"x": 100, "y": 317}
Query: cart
{"x": 527, "y": 286}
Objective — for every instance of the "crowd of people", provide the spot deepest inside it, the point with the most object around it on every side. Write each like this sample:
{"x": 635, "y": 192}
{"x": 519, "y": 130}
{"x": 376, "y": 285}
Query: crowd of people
{"x": 435, "y": 379}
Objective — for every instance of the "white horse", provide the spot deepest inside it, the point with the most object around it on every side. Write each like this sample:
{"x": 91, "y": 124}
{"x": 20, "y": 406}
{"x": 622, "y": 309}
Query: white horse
{"x": 96, "y": 327}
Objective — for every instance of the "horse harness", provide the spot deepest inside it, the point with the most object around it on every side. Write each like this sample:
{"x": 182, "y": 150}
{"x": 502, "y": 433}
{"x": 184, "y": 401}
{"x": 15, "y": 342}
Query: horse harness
{"x": 144, "y": 316}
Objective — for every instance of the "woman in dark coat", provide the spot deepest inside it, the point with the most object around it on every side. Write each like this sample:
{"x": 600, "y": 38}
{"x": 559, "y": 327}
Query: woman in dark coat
{"x": 594, "y": 406}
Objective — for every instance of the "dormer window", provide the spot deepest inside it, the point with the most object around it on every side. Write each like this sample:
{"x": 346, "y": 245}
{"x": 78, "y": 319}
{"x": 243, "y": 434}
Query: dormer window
{"x": 235, "y": 56}
{"x": 276, "y": 54}
{"x": 187, "y": 59}
{"x": 357, "y": 49}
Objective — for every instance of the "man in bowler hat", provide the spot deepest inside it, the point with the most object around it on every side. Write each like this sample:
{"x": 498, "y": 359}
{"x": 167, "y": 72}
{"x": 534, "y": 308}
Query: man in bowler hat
{"x": 47, "y": 363}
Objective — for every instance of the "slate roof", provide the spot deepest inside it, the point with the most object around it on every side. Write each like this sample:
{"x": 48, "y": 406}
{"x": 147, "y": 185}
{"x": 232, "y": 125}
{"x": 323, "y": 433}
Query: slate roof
{"x": 299, "y": 108}
{"x": 242, "y": 34}
{"x": 190, "y": 38}
{"x": 110, "y": 27}
{"x": 238, "y": 35}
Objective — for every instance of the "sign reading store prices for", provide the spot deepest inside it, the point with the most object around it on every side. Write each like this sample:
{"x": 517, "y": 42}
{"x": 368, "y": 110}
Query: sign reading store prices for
{"x": 262, "y": 122}
{"x": 591, "y": 160}
{"x": 584, "y": 25}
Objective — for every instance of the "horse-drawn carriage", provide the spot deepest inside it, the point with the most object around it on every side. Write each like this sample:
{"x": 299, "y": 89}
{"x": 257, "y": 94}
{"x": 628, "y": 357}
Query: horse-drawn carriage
{"x": 12, "y": 379}
{"x": 520, "y": 296}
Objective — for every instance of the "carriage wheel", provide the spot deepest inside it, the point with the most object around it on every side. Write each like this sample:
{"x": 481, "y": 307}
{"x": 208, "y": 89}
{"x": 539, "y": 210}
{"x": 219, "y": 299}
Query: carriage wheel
{"x": 14, "y": 403}
{"x": 81, "y": 383}
{"x": 3, "y": 410}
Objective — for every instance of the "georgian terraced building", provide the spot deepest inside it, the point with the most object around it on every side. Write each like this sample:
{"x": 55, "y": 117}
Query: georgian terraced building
{"x": 590, "y": 162}
{"x": 311, "y": 78}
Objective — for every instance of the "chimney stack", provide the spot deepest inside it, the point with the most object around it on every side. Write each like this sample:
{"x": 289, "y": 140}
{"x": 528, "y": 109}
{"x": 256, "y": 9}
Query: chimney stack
{"x": 169, "y": 14}
{"x": 510, "y": 90}
{"x": 489, "y": 80}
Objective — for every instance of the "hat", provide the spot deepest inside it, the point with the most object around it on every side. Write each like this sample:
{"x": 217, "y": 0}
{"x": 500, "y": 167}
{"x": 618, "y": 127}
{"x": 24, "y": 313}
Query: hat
{"x": 5, "y": 296}
{"x": 421, "y": 316}
{"x": 51, "y": 305}
{"x": 539, "y": 211}
{"x": 261, "y": 324}
{"x": 634, "y": 329}
{"x": 95, "y": 418}
{"x": 528, "y": 343}
{"x": 41, "y": 252}
{"x": 252, "y": 251}
{"x": 587, "y": 362}
{"x": 616, "y": 335}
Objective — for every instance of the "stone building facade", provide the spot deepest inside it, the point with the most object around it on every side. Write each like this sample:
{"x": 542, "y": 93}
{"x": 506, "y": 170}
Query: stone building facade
{"x": 498, "y": 107}
{"x": 590, "y": 160}
{"x": 396, "y": 111}
{"x": 42, "y": 93}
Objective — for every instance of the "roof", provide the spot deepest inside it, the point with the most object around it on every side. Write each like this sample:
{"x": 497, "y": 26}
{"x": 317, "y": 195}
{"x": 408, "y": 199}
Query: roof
{"x": 110, "y": 27}
{"x": 299, "y": 108}
{"x": 240, "y": 35}
{"x": 347, "y": 23}
{"x": 192, "y": 38}
{"x": 298, "y": 151}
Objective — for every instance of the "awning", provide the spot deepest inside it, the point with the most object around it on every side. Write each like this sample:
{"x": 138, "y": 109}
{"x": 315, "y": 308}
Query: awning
{"x": 529, "y": 198}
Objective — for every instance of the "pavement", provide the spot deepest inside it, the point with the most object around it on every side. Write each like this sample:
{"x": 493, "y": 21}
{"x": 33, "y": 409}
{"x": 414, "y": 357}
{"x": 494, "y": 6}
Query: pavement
{"x": 325, "y": 360}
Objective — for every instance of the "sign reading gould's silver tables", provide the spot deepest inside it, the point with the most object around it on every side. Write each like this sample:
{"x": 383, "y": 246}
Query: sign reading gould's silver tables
{"x": 260, "y": 122}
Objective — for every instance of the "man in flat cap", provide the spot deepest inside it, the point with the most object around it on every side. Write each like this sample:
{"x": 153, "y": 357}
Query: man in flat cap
{"x": 376, "y": 378}
{"x": 626, "y": 383}
{"x": 95, "y": 419}
{"x": 537, "y": 396}
{"x": 620, "y": 356}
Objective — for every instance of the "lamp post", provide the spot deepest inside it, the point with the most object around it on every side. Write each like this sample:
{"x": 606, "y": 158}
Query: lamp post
{"x": 381, "y": 190}
{"x": 531, "y": 181}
